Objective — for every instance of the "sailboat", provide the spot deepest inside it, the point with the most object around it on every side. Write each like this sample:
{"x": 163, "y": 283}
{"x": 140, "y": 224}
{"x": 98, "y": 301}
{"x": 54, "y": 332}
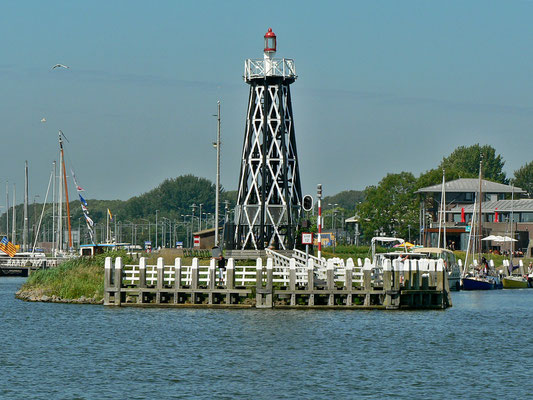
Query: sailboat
{"x": 479, "y": 274}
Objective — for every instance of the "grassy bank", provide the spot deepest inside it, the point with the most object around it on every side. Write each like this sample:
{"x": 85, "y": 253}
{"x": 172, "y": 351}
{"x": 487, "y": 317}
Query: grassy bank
{"x": 74, "y": 279}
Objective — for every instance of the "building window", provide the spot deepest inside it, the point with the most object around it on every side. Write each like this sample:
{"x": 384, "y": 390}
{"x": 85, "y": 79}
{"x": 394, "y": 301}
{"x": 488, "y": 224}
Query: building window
{"x": 469, "y": 196}
{"x": 526, "y": 217}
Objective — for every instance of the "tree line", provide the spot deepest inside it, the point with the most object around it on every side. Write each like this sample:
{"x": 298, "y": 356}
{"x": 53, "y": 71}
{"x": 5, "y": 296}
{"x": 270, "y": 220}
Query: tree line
{"x": 392, "y": 207}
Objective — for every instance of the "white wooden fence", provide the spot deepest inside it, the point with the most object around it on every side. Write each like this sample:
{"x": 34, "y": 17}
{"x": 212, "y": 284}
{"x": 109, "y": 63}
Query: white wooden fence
{"x": 246, "y": 275}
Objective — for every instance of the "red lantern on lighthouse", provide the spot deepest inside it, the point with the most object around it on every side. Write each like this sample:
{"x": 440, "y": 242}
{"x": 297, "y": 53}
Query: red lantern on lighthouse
{"x": 270, "y": 41}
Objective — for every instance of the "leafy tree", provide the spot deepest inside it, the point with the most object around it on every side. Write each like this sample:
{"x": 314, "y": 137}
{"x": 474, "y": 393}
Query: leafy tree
{"x": 463, "y": 162}
{"x": 391, "y": 206}
{"x": 523, "y": 178}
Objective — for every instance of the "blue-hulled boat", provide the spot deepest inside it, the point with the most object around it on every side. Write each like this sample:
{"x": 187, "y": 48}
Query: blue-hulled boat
{"x": 482, "y": 283}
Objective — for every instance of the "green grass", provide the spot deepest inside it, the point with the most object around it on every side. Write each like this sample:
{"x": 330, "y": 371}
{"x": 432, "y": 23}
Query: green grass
{"x": 74, "y": 278}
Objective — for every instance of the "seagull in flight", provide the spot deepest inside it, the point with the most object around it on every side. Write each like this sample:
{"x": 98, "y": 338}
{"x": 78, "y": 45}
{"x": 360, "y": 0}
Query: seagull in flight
{"x": 60, "y": 66}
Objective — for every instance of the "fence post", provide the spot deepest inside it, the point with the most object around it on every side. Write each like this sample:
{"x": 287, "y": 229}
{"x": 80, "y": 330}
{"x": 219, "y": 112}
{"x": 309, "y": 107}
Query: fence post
{"x": 387, "y": 282}
{"x": 118, "y": 280}
{"x": 311, "y": 281}
{"x": 407, "y": 275}
{"x": 443, "y": 286}
{"x": 177, "y": 273}
{"x": 194, "y": 273}
{"x": 230, "y": 279}
{"x": 269, "y": 284}
{"x": 292, "y": 280}
{"x": 259, "y": 283}
{"x": 230, "y": 274}
{"x": 142, "y": 272}
{"x": 142, "y": 279}
{"x": 211, "y": 280}
{"x": 330, "y": 281}
{"x": 160, "y": 279}
{"x": 107, "y": 280}
{"x": 160, "y": 273}
{"x": 348, "y": 278}
{"x": 367, "y": 281}
{"x": 396, "y": 273}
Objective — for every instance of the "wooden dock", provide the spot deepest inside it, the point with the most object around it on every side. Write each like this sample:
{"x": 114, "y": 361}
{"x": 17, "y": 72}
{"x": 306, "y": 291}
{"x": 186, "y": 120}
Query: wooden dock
{"x": 414, "y": 284}
{"x": 21, "y": 265}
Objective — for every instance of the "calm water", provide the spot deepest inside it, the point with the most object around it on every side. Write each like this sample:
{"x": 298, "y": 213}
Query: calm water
{"x": 479, "y": 349}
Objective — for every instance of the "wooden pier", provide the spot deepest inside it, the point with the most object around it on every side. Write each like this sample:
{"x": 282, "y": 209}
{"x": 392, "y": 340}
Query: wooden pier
{"x": 21, "y": 265}
{"x": 413, "y": 284}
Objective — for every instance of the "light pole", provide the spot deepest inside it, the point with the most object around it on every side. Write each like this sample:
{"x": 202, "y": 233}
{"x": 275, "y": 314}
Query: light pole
{"x": 170, "y": 231}
{"x": 333, "y": 206}
{"x": 156, "y": 212}
{"x": 149, "y": 233}
{"x": 200, "y": 220}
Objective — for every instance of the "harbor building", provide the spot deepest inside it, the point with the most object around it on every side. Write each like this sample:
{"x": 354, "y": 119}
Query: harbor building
{"x": 498, "y": 203}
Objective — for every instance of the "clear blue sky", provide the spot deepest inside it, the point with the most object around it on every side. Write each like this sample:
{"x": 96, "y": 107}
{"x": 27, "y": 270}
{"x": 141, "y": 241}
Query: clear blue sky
{"x": 384, "y": 86}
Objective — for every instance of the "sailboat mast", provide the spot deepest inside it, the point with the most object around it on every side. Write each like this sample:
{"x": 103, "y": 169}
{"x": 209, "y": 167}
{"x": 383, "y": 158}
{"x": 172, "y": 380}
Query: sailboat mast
{"x": 512, "y": 226}
{"x": 441, "y": 209}
{"x": 480, "y": 227}
{"x": 60, "y": 198}
{"x": 25, "y": 228}
{"x": 7, "y": 209}
{"x": 54, "y": 242}
{"x": 66, "y": 190}
{"x": 14, "y": 222}
{"x": 444, "y": 208}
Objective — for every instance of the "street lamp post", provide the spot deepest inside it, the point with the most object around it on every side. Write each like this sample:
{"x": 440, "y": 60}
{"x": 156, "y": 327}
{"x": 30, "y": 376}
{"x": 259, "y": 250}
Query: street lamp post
{"x": 149, "y": 232}
{"x": 217, "y": 185}
{"x": 200, "y": 219}
{"x": 156, "y": 212}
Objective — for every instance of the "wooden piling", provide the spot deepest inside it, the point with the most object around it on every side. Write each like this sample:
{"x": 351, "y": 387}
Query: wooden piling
{"x": 311, "y": 281}
{"x": 367, "y": 281}
{"x": 330, "y": 281}
{"x": 387, "y": 282}
{"x": 118, "y": 280}
{"x": 211, "y": 274}
{"x": 108, "y": 280}
{"x": 348, "y": 281}
{"x": 230, "y": 279}
{"x": 292, "y": 280}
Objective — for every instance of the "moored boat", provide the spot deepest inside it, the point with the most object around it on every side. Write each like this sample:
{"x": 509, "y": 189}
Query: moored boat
{"x": 514, "y": 282}
{"x": 481, "y": 283}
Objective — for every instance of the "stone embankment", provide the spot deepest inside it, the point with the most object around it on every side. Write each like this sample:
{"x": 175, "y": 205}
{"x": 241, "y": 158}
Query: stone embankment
{"x": 36, "y": 295}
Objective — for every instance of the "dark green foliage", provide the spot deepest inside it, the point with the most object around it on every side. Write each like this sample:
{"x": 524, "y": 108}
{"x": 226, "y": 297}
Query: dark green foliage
{"x": 464, "y": 163}
{"x": 390, "y": 207}
{"x": 172, "y": 198}
{"x": 523, "y": 178}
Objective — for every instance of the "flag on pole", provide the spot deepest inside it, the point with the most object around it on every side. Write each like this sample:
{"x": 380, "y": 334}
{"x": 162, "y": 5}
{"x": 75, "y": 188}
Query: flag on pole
{"x": 82, "y": 200}
{"x": 110, "y": 215}
{"x": 7, "y": 247}
{"x": 89, "y": 220}
{"x": 85, "y": 209}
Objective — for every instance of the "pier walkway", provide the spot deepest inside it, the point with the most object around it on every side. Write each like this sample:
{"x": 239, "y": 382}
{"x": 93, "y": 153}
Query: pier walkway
{"x": 23, "y": 265}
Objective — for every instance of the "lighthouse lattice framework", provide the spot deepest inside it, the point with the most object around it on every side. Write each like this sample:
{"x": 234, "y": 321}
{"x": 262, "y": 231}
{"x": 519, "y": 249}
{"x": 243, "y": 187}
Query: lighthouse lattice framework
{"x": 270, "y": 195}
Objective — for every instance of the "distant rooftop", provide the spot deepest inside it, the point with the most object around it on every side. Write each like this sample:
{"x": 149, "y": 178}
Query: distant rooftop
{"x": 520, "y": 205}
{"x": 468, "y": 185}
